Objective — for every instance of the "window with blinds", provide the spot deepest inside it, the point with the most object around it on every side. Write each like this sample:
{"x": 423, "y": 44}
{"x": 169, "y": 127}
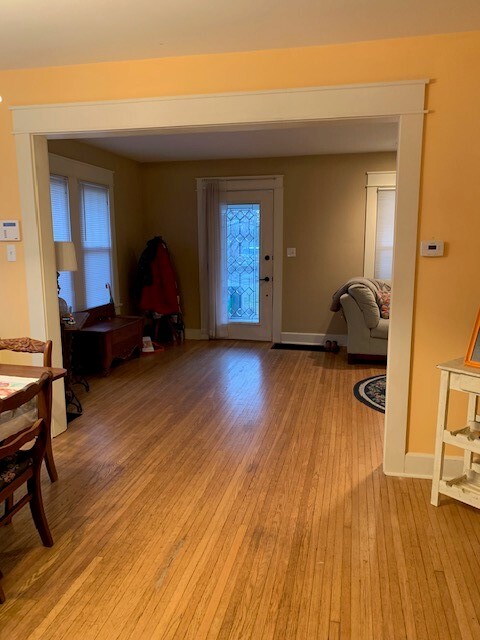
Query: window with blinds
{"x": 384, "y": 233}
{"x": 379, "y": 224}
{"x": 86, "y": 222}
{"x": 96, "y": 242}
{"x": 62, "y": 232}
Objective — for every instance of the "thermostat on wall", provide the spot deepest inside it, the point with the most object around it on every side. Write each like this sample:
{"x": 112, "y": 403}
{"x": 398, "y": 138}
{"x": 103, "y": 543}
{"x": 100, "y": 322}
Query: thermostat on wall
{"x": 431, "y": 248}
{"x": 9, "y": 230}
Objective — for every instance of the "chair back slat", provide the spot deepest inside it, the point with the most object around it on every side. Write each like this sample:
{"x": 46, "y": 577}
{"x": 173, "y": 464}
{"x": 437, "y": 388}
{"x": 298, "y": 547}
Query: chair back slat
{"x": 29, "y": 345}
{"x": 21, "y": 438}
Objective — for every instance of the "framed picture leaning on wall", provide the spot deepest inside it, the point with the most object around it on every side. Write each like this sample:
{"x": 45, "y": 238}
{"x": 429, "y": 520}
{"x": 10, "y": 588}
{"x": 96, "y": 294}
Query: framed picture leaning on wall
{"x": 472, "y": 358}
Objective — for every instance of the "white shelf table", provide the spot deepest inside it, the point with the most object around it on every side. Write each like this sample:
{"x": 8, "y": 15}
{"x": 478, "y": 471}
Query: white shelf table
{"x": 458, "y": 377}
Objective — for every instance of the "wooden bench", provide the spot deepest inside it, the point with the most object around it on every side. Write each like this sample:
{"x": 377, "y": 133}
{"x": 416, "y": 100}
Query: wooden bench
{"x": 105, "y": 337}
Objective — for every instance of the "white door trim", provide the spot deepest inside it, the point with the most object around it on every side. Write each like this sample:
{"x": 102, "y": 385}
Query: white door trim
{"x": 402, "y": 100}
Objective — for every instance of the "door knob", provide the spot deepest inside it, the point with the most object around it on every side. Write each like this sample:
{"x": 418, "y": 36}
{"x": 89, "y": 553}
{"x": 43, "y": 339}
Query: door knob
{"x": 267, "y": 279}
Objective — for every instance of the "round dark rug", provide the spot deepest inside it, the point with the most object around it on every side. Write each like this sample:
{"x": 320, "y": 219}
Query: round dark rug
{"x": 371, "y": 391}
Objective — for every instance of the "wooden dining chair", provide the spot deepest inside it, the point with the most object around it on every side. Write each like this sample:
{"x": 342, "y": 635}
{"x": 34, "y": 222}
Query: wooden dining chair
{"x": 29, "y": 345}
{"x": 19, "y": 466}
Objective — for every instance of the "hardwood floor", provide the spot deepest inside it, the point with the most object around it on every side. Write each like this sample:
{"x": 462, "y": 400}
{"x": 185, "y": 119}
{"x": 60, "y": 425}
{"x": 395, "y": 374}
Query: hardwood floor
{"x": 226, "y": 490}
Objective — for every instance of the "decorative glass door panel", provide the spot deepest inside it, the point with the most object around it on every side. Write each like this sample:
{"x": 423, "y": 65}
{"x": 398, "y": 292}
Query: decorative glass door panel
{"x": 246, "y": 264}
{"x": 242, "y": 229}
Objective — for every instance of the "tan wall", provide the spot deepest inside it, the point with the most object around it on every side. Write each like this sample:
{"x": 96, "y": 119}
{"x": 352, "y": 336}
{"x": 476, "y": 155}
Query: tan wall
{"x": 128, "y": 205}
{"x": 324, "y": 218}
{"x": 447, "y": 290}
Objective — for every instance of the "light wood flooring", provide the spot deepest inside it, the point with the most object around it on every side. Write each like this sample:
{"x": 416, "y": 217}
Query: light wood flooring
{"x": 230, "y": 491}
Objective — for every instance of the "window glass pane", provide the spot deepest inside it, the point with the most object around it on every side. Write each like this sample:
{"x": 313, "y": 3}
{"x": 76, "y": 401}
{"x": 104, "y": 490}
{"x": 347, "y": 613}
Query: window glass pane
{"x": 384, "y": 235}
{"x": 60, "y": 208}
{"x": 97, "y": 274}
{"x": 96, "y": 242}
{"x": 94, "y": 216}
{"x": 62, "y": 231}
{"x": 242, "y": 228}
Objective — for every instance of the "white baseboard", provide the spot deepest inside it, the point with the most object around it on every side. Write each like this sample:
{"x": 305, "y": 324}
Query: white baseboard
{"x": 313, "y": 338}
{"x": 286, "y": 337}
{"x": 420, "y": 465}
{"x": 195, "y": 334}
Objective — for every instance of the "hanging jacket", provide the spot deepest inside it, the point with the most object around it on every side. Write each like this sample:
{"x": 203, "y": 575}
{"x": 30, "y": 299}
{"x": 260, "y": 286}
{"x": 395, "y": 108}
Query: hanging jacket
{"x": 156, "y": 279}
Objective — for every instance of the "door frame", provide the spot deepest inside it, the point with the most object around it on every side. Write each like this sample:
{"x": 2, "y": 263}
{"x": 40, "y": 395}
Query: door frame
{"x": 404, "y": 101}
{"x": 243, "y": 183}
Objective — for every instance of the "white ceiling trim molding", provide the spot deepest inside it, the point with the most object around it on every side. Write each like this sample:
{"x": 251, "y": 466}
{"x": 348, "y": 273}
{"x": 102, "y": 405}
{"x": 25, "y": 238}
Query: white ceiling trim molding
{"x": 294, "y": 105}
{"x": 405, "y": 100}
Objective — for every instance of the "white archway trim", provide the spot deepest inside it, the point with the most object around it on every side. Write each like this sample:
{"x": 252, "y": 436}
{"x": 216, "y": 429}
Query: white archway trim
{"x": 402, "y": 100}
{"x": 404, "y": 262}
{"x": 293, "y": 105}
{"x": 40, "y": 268}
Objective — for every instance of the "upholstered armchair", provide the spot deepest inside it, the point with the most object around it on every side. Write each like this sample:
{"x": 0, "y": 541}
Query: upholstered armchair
{"x": 366, "y": 307}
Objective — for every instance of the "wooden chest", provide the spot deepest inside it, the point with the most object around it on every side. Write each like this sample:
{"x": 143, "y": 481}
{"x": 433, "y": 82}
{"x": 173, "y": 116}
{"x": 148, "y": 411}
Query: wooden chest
{"x": 105, "y": 337}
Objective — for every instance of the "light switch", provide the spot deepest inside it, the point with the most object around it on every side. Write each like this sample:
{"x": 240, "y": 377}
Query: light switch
{"x": 11, "y": 253}
{"x": 291, "y": 252}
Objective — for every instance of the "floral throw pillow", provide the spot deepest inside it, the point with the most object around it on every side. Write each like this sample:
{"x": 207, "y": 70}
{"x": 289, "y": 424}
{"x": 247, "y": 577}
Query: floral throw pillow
{"x": 384, "y": 304}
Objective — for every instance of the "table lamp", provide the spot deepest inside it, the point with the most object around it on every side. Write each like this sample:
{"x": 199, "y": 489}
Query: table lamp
{"x": 66, "y": 260}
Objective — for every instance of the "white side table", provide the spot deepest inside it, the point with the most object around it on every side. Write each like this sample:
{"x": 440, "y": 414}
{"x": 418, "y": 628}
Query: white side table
{"x": 457, "y": 376}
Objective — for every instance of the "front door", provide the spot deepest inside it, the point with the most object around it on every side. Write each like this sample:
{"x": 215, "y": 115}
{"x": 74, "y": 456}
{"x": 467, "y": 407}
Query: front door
{"x": 246, "y": 264}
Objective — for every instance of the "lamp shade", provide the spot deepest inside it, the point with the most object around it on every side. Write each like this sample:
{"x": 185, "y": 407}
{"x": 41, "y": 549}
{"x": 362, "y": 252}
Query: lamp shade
{"x": 65, "y": 256}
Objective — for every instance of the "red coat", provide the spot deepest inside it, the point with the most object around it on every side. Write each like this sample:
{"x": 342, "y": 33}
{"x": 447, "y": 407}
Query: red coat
{"x": 161, "y": 294}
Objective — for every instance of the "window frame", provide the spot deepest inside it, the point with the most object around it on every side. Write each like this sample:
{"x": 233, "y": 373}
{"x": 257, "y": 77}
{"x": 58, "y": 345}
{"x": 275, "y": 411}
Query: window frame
{"x": 376, "y": 181}
{"x": 76, "y": 172}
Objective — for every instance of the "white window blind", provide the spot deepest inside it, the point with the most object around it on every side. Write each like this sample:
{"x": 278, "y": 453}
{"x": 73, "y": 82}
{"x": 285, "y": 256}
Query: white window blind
{"x": 96, "y": 243}
{"x": 87, "y": 224}
{"x": 384, "y": 233}
{"x": 62, "y": 231}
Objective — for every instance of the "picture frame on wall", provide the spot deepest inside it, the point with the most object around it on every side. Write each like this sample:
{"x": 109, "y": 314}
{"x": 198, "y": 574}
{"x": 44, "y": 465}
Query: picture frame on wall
{"x": 472, "y": 359}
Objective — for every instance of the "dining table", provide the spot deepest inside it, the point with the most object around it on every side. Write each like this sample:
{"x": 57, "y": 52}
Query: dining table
{"x": 17, "y": 374}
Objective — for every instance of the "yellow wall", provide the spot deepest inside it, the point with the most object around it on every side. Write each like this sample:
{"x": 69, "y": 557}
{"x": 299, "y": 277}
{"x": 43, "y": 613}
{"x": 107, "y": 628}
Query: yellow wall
{"x": 447, "y": 289}
{"x": 324, "y": 218}
{"x": 128, "y": 207}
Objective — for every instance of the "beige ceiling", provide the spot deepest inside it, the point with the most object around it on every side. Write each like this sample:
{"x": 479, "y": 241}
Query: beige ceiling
{"x": 341, "y": 136}
{"x": 37, "y": 33}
